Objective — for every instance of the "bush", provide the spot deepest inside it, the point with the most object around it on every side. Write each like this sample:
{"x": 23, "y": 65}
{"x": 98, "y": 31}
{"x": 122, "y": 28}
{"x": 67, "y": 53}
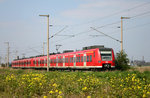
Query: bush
{"x": 122, "y": 61}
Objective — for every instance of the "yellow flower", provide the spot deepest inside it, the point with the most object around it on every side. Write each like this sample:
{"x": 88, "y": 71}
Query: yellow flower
{"x": 121, "y": 85}
{"x": 51, "y": 92}
{"x": 44, "y": 96}
{"x": 125, "y": 89}
{"x": 144, "y": 95}
{"x": 85, "y": 88}
{"x": 60, "y": 92}
{"x": 113, "y": 85}
{"x": 55, "y": 85}
{"x": 56, "y": 90}
{"x": 40, "y": 84}
{"x": 148, "y": 92}
{"x": 88, "y": 96}
{"x": 139, "y": 87}
{"x": 59, "y": 96}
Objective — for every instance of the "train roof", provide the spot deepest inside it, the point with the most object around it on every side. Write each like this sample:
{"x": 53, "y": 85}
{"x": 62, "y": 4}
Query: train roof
{"x": 85, "y": 49}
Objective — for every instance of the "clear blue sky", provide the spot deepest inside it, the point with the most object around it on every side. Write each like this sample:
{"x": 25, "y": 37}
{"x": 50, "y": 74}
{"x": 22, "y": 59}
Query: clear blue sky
{"x": 21, "y": 26}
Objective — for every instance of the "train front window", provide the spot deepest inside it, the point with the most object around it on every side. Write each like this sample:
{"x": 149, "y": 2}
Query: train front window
{"x": 106, "y": 55}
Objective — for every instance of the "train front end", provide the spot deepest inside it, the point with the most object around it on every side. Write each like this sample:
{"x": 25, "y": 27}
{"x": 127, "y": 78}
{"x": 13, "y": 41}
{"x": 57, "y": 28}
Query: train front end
{"x": 107, "y": 58}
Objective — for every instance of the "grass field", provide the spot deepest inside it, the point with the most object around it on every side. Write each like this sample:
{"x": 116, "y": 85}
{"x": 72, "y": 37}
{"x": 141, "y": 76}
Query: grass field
{"x": 57, "y": 84}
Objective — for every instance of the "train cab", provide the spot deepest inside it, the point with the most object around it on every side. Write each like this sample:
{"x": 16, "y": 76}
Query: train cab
{"x": 107, "y": 57}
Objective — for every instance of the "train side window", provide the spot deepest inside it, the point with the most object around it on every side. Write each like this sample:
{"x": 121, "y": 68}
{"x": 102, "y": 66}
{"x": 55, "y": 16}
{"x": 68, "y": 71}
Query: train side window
{"x": 54, "y": 60}
{"x": 90, "y": 58}
{"x": 72, "y": 59}
{"x": 79, "y": 58}
{"x": 87, "y": 58}
{"x": 66, "y": 60}
{"x": 94, "y": 53}
{"x": 59, "y": 60}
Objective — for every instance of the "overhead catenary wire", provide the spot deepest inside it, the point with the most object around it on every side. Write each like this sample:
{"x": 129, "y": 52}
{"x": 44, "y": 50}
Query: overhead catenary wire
{"x": 80, "y": 33}
{"x": 137, "y": 26}
{"x": 140, "y": 5}
{"x": 106, "y": 35}
{"x": 141, "y": 14}
{"x": 59, "y": 32}
{"x": 103, "y": 26}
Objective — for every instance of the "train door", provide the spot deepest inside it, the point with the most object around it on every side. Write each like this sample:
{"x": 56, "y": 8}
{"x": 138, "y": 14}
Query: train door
{"x": 36, "y": 62}
{"x": 66, "y": 61}
{"x": 42, "y": 62}
{"x": 89, "y": 59}
{"x": 60, "y": 61}
{"x": 77, "y": 60}
{"x": 71, "y": 60}
{"x": 80, "y": 61}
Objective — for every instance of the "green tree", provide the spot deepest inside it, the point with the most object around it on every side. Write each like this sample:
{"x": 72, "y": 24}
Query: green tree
{"x": 122, "y": 61}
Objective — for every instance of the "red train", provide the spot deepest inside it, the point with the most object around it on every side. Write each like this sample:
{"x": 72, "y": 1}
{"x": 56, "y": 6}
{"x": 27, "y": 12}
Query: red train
{"x": 93, "y": 57}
